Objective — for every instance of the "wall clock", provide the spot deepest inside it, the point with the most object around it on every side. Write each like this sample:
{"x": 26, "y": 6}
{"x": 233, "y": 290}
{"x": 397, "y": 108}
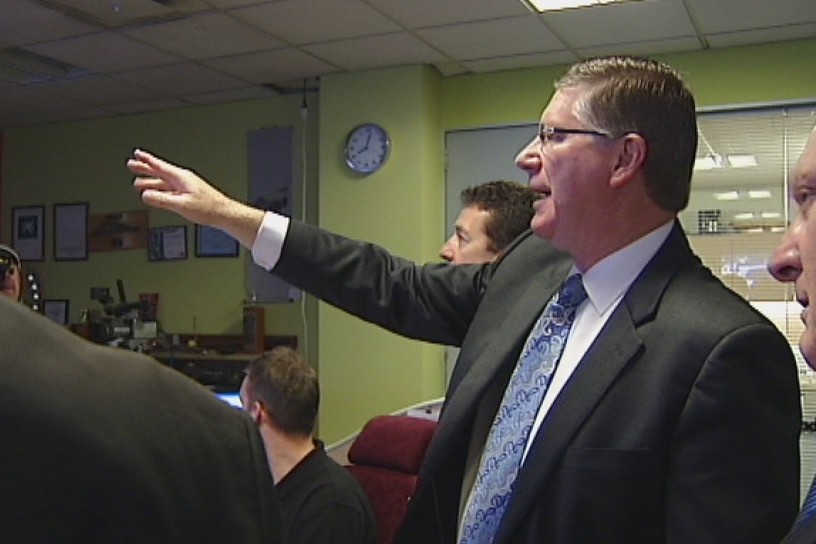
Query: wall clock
{"x": 367, "y": 148}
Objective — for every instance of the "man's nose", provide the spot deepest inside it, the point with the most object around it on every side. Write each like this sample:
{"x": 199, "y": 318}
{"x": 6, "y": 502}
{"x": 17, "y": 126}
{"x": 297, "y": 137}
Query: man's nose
{"x": 785, "y": 264}
{"x": 528, "y": 159}
{"x": 446, "y": 252}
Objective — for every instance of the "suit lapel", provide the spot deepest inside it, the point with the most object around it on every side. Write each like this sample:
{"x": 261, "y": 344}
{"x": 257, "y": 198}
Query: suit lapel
{"x": 612, "y": 350}
{"x": 494, "y": 362}
{"x": 806, "y": 534}
{"x": 595, "y": 374}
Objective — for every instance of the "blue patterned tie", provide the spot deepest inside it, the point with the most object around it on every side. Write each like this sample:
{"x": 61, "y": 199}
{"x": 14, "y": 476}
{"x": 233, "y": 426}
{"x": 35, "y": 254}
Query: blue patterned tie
{"x": 808, "y": 506}
{"x": 508, "y": 435}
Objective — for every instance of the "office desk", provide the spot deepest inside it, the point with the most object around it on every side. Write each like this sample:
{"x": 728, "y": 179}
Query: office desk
{"x": 222, "y": 373}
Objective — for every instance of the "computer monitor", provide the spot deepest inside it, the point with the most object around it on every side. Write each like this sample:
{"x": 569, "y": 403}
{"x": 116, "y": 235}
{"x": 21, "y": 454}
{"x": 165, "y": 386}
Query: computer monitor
{"x": 232, "y": 399}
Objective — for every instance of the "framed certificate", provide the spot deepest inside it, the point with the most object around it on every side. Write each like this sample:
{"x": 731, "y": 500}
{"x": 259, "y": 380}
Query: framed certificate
{"x": 167, "y": 243}
{"x": 56, "y": 311}
{"x": 27, "y": 232}
{"x": 71, "y": 231}
{"x": 211, "y": 242}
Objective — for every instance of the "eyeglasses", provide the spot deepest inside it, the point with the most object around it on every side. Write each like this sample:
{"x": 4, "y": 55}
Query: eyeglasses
{"x": 546, "y": 132}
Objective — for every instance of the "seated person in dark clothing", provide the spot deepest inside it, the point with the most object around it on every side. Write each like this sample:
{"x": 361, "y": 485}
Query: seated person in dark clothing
{"x": 321, "y": 502}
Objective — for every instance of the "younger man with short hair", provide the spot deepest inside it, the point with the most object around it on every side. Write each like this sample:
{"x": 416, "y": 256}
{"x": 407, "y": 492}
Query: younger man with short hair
{"x": 321, "y": 502}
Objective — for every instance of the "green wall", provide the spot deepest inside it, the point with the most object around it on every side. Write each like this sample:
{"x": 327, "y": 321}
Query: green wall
{"x": 399, "y": 207}
{"x": 85, "y": 161}
{"x": 363, "y": 371}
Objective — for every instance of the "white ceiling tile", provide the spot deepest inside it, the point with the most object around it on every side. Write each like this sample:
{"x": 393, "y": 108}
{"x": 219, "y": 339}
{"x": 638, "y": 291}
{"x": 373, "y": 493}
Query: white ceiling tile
{"x": 731, "y": 15}
{"x": 104, "y": 52}
{"x": 75, "y": 113}
{"x": 24, "y": 23}
{"x": 229, "y": 95}
{"x": 620, "y": 23}
{"x": 223, "y": 50}
{"x": 181, "y": 79}
{"x": 113, "y": 13}
{"x": 424, "y": 13}
{"x": 237, "y": 3}
{"x": 449, "y": 68}
{"x": 27, "y": 102}
{"x": 309, "y": 21}
{"x": 204, "y": 36}
{"x": 519, "y": 61}
{"x": 762, "y": 35}
{"x": 105, "y": 89}
{"x": 674, "y": 45}
{"x": 376, "y": 51}
{"x": 271, "y": 66}
{"x": 148, "y": 105}
{"x": 501, "y": 37}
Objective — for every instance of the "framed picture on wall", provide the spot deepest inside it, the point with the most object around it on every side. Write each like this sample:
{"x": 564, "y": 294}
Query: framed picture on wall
{"x": 56, "y": 311}
{"x": 27, "y": 232}
{"x": 211, "y": 242}
{"x": 71, "y": 231}
{"x": 167, "y": 243}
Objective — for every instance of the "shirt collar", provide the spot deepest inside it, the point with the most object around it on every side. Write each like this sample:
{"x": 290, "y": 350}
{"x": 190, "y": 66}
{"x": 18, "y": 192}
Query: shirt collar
{"x": 611, "y": 277}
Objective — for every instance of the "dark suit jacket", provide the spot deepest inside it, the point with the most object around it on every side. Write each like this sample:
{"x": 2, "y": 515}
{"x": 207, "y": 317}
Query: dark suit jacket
{"x": 680, "y": 424}
{"x": 101, "y": 445}
{"x": 806, "y": 534}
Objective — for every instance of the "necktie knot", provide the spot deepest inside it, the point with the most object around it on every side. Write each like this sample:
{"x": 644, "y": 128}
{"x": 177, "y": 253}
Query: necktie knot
{"x": 572, "y": 292}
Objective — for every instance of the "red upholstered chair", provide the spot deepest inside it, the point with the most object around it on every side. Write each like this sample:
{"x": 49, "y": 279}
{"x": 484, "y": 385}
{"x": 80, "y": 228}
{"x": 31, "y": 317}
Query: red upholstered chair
{"x": 385, "y": 458}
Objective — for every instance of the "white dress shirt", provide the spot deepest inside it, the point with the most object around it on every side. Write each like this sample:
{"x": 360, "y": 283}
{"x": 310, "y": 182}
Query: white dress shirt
{"x": 605, "y": 283}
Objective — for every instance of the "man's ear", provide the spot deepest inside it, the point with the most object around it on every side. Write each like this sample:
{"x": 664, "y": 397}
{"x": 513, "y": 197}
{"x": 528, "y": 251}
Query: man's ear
{"x": 256, "y": 410}
{"x": 632, "y": 150}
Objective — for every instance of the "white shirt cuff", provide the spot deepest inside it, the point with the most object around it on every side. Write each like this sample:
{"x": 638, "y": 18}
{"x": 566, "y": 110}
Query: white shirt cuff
{"x": 266, "y": 249}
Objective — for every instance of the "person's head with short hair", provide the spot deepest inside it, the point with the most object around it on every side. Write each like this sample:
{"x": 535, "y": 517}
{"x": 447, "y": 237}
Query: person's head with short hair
{"x": 492, "y": 215}
{"x": 280, "y": 389}
{"x": 794, "y": 259}
{"x": 11, "y": 273}
{"x": 613, "y": 155}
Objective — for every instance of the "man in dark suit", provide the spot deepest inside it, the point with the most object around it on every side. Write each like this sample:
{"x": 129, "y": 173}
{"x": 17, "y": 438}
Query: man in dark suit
{"x": 102, "y": 446}
{"x": 794, "y": 260}
{"x": 673, "y": 414}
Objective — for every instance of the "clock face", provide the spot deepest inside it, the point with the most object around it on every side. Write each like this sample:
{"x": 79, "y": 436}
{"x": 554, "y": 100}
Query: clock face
{"x": 367, "y": 148}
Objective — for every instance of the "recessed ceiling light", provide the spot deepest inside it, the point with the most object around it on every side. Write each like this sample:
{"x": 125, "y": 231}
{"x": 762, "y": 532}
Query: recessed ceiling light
{"x": 743, "y": 216}
{"x": 771, "y": 215}
{"x": 759, "y": 194}
{"x": 709, "y": 162}
{"x": 728, "y": 195}
{"x": 554, "y": 5}
{"x": 741, "y": 161}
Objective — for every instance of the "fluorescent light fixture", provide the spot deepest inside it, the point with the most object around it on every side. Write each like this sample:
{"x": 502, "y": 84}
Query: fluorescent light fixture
{"x": 759, "y": 194}
{"x": 728, "y": 195}
{"x": 771, "y": 215}
{"x": 709, "y": 162}
{"x": 741, "y": 161}
{"x": 555, "y": 5}
{"x": 743, "y": 216}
